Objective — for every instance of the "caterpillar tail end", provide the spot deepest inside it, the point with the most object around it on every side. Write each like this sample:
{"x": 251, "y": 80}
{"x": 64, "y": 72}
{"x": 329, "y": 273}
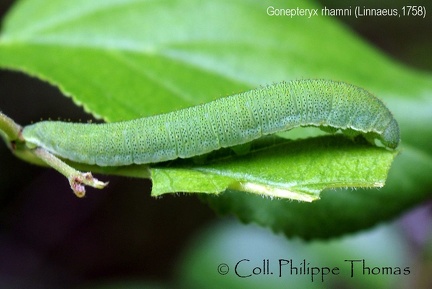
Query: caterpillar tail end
{"x": 80, "y": 180}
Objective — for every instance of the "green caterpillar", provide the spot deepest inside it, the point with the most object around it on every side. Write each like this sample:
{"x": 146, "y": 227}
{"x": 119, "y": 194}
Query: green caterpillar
{"x": 225, "y": 122}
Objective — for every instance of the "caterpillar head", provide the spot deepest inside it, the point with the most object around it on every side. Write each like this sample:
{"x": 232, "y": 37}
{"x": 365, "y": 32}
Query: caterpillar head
{"x": 391, "y": 136}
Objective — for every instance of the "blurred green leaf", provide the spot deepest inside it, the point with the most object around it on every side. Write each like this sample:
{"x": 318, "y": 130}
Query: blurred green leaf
{"x": 126, "y": 59}
{"x": 229, "y": 243}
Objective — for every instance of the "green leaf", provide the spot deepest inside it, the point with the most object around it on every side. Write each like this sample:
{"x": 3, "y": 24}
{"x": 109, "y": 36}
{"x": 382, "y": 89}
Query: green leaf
{"x": 297, "y": 170}
{"x": 127, "y": 59}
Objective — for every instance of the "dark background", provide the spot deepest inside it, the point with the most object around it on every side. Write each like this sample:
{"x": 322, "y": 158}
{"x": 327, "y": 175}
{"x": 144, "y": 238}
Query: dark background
{"x": 49, "y": 238}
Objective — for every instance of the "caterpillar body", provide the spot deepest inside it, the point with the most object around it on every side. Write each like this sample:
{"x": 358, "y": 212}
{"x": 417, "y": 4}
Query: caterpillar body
{"x": 225, "y": 122}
